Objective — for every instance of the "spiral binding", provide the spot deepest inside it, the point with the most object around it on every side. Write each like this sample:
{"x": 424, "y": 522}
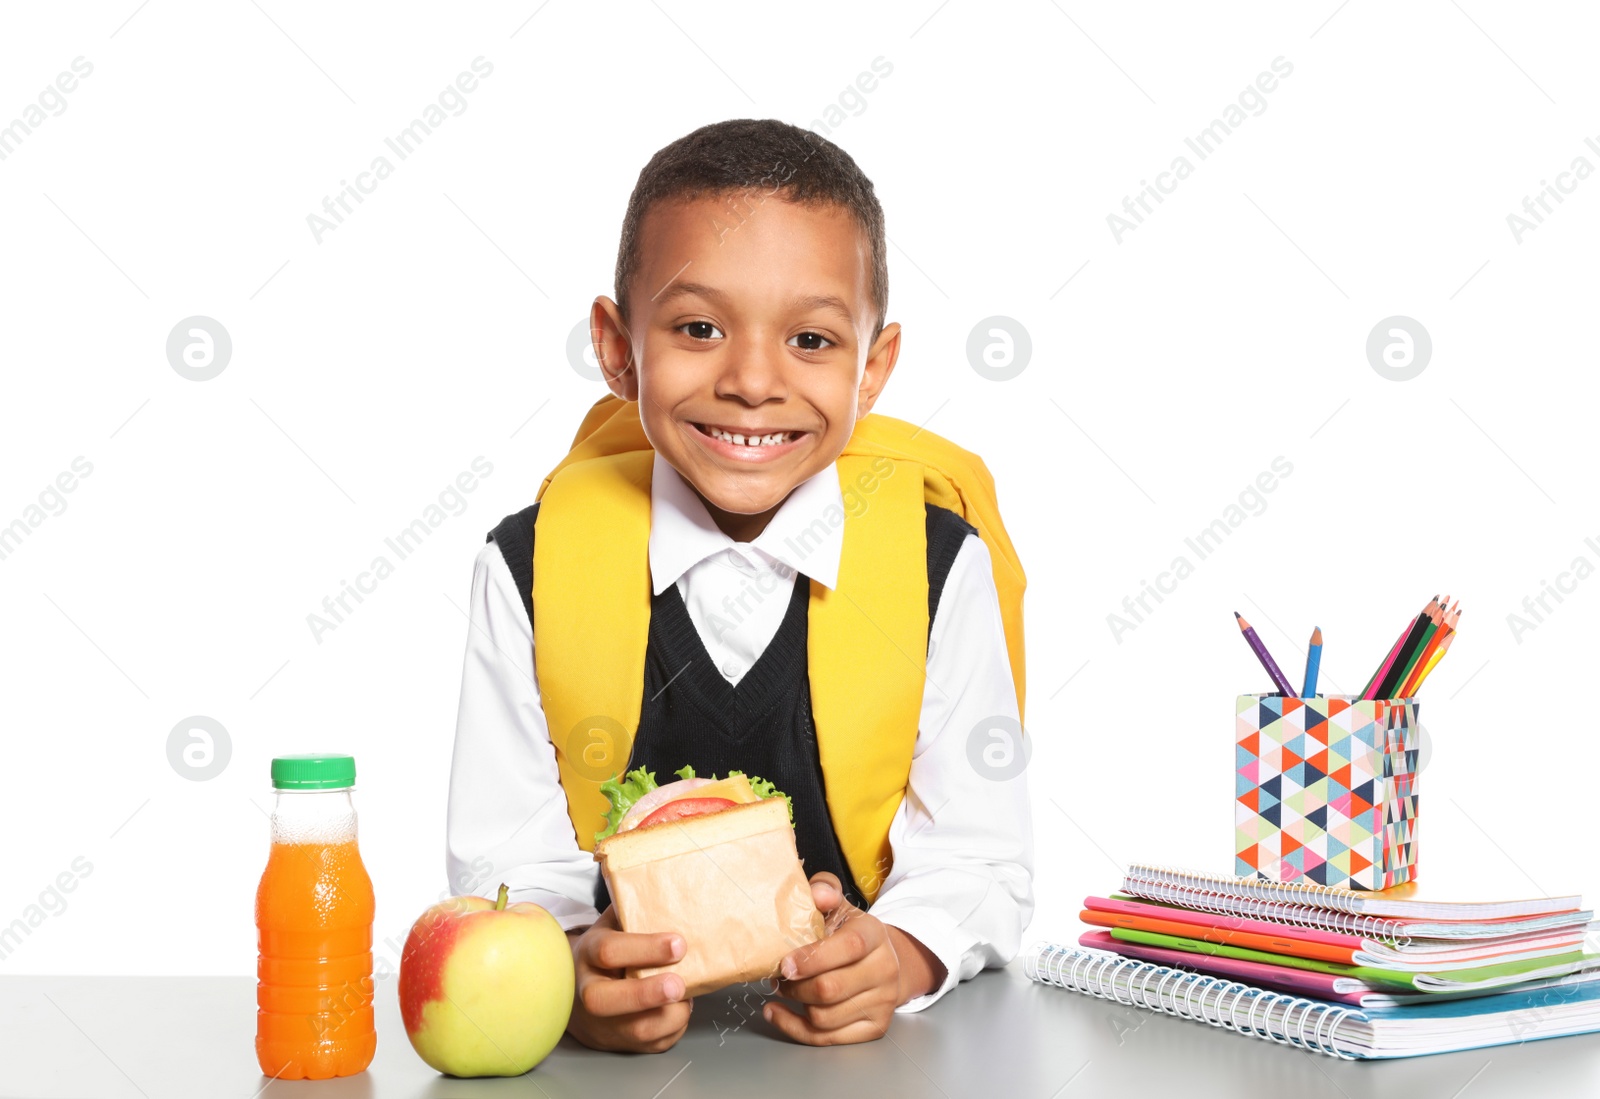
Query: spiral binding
{"x": 1215, "y": 1001}
{"x": 1256, "y": 899}
{"x": 1341, "y": 900}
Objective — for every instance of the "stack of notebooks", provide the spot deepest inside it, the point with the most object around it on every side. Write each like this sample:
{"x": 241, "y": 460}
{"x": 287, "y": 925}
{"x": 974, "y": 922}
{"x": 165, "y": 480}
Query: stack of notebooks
{"x": 1343, "y": 972}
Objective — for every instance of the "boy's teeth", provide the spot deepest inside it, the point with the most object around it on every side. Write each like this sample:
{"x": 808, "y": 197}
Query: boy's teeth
{"x": 748, "y": 440}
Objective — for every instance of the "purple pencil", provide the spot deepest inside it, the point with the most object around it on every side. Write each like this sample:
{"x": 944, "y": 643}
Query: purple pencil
{"x": 1265, "y": 657}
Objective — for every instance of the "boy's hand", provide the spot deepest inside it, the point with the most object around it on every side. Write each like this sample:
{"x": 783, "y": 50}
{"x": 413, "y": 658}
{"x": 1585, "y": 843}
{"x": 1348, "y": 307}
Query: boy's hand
{"x": 611, "y": 1011}
{"x": 852, "y": 980}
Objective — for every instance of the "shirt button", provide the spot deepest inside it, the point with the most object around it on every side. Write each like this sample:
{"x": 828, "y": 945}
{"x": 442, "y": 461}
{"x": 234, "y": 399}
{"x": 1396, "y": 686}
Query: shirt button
{"x": 731, "y": 669}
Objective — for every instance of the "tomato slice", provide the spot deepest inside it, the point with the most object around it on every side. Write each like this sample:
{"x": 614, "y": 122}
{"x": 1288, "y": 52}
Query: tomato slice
{"x": 685, "y": 807}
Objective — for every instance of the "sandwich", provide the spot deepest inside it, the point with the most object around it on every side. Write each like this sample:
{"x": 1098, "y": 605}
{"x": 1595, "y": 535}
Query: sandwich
{"x": 714, "y": 860}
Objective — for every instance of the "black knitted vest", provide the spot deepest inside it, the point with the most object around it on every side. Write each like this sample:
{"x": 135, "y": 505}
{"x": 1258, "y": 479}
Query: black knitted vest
{"x": 761, "y": 726}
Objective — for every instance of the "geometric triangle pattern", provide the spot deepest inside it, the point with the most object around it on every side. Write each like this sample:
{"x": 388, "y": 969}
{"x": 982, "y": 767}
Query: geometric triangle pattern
{"x": 1325, "y": 790}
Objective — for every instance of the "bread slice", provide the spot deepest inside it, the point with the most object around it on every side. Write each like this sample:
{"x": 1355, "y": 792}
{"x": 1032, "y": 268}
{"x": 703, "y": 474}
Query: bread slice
{"x": 730, "y": 882}
{"x": 676, "y": 837}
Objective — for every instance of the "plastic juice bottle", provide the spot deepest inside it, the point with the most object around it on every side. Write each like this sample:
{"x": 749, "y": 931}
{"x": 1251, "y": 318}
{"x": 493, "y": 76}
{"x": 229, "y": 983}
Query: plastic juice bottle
{"x": 314, "y": 912}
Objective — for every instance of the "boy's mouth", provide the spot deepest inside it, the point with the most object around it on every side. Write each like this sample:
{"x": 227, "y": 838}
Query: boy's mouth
{"x": 753, "y": 439}
{"x": 750, "y": 443}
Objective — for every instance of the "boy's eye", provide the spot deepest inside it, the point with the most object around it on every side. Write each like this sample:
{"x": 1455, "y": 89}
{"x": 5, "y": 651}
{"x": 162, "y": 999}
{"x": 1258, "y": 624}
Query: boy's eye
{"x": 810, "y": 341}
{"x": 700, "y": 330}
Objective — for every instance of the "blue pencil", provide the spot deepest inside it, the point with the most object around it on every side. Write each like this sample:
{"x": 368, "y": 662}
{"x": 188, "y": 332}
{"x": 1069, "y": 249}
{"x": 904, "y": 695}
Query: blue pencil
{"x": 1313, "y": 664}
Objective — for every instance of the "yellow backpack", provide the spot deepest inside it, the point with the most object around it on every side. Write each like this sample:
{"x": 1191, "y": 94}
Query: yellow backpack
{"x": 867, "y": 643}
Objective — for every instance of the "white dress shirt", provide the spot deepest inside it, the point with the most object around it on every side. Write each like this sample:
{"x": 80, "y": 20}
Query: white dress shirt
{"x": 962, "y": 840}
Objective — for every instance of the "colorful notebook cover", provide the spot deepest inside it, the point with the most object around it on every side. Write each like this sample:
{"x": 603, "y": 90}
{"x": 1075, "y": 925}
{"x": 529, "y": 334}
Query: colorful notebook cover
{"x": 1421, "y": 935}
{"x": 1325, "y": 790}
{"x": 1329, "y": 946}
{"x": 1271, "y": 942}
{"x": 1305, "y": 982}
{"x": 1456, "y": 980}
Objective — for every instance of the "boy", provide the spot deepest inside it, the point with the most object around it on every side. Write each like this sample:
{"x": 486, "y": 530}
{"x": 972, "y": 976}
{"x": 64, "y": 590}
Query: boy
{"x": 748, "y": 585}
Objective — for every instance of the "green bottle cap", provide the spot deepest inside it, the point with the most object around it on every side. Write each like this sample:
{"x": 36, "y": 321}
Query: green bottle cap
{"x": 317, "y": 771}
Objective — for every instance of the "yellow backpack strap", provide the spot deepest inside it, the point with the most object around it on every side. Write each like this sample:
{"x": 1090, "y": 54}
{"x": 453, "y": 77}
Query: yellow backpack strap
{"x": 867, "y": 650}
{"x": 589, "y": 639}
{"x": 957, "y": 479}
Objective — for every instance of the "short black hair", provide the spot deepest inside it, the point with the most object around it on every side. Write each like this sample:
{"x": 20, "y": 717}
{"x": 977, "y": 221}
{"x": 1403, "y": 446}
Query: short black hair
{"x": 761, "y": 156}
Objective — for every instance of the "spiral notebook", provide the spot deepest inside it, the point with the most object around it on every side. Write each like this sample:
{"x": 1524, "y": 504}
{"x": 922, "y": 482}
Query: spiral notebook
{"x": 1305, "y": 982}
{"x": 1479, "y": 977}
{"x": 1392, "y": 915}
{"x": 1336, "y": 1029}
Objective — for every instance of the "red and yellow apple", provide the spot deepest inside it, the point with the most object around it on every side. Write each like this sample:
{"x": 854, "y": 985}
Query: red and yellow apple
{"x": 485, "y": 987}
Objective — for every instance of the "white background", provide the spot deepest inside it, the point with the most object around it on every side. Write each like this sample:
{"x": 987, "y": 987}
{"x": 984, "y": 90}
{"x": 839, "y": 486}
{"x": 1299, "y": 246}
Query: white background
{"x": 1167, "y": 372}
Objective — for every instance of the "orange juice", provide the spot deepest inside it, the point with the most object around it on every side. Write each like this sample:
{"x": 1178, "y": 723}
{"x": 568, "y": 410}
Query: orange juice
{"x": 314, "y": 913}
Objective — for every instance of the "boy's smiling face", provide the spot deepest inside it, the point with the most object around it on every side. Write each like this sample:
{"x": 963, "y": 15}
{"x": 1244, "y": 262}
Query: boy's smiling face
{"x": 748, "y": 346}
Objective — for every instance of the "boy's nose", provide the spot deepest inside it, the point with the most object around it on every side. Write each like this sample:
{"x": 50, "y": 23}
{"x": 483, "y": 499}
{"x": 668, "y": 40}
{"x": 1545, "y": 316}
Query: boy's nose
{"x": 753, "y": 374}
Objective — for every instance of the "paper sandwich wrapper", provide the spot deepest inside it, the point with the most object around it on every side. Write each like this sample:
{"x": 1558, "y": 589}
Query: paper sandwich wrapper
{"x": 729, "y": 882}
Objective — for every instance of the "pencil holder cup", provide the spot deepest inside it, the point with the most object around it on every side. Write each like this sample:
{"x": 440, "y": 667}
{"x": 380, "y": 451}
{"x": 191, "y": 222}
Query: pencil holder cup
{"x": 1326, "y": 790}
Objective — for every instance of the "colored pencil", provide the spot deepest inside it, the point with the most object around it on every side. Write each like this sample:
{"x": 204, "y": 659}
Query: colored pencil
{"x": 1254, "y": 641}
{"x": 1430, "y": 645}
{"x": 1313, "y": 664}
{"x": 1438, "y": 655}
{"x": 1413, "y": 657}
{"x": 1429, "y": 631}
{"x": 1389, "y": 682}
{"x": 1373, "y": 684}
{"x": 1425, "y": 658}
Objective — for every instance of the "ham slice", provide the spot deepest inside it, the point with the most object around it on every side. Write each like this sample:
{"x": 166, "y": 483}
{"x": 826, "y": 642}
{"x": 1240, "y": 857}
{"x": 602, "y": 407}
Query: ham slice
{"x": 656, "y": 798}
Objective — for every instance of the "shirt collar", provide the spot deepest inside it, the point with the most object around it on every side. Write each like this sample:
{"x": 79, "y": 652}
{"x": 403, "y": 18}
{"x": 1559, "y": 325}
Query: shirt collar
{"x": 806, "y": 534}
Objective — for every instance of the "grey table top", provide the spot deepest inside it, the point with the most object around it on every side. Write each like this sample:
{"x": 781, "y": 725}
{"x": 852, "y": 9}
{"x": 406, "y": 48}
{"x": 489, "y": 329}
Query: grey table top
{"x": 997, "y": 1035}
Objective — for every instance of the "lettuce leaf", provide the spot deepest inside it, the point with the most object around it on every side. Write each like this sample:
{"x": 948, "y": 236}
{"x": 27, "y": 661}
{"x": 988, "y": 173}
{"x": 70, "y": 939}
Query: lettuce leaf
{"x": 622, "y": 795}
{"x": 639, "y": 782}
{"x": 765, "y": 789}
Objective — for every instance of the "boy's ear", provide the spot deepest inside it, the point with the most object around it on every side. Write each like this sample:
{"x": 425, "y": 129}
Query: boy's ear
{"x": 880, "y": 364}
{"x": 613, "y": 350}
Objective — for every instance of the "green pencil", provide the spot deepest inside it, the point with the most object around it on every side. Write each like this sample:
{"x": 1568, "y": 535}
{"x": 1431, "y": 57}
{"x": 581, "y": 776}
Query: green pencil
{"x": 1422, "y": 643}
